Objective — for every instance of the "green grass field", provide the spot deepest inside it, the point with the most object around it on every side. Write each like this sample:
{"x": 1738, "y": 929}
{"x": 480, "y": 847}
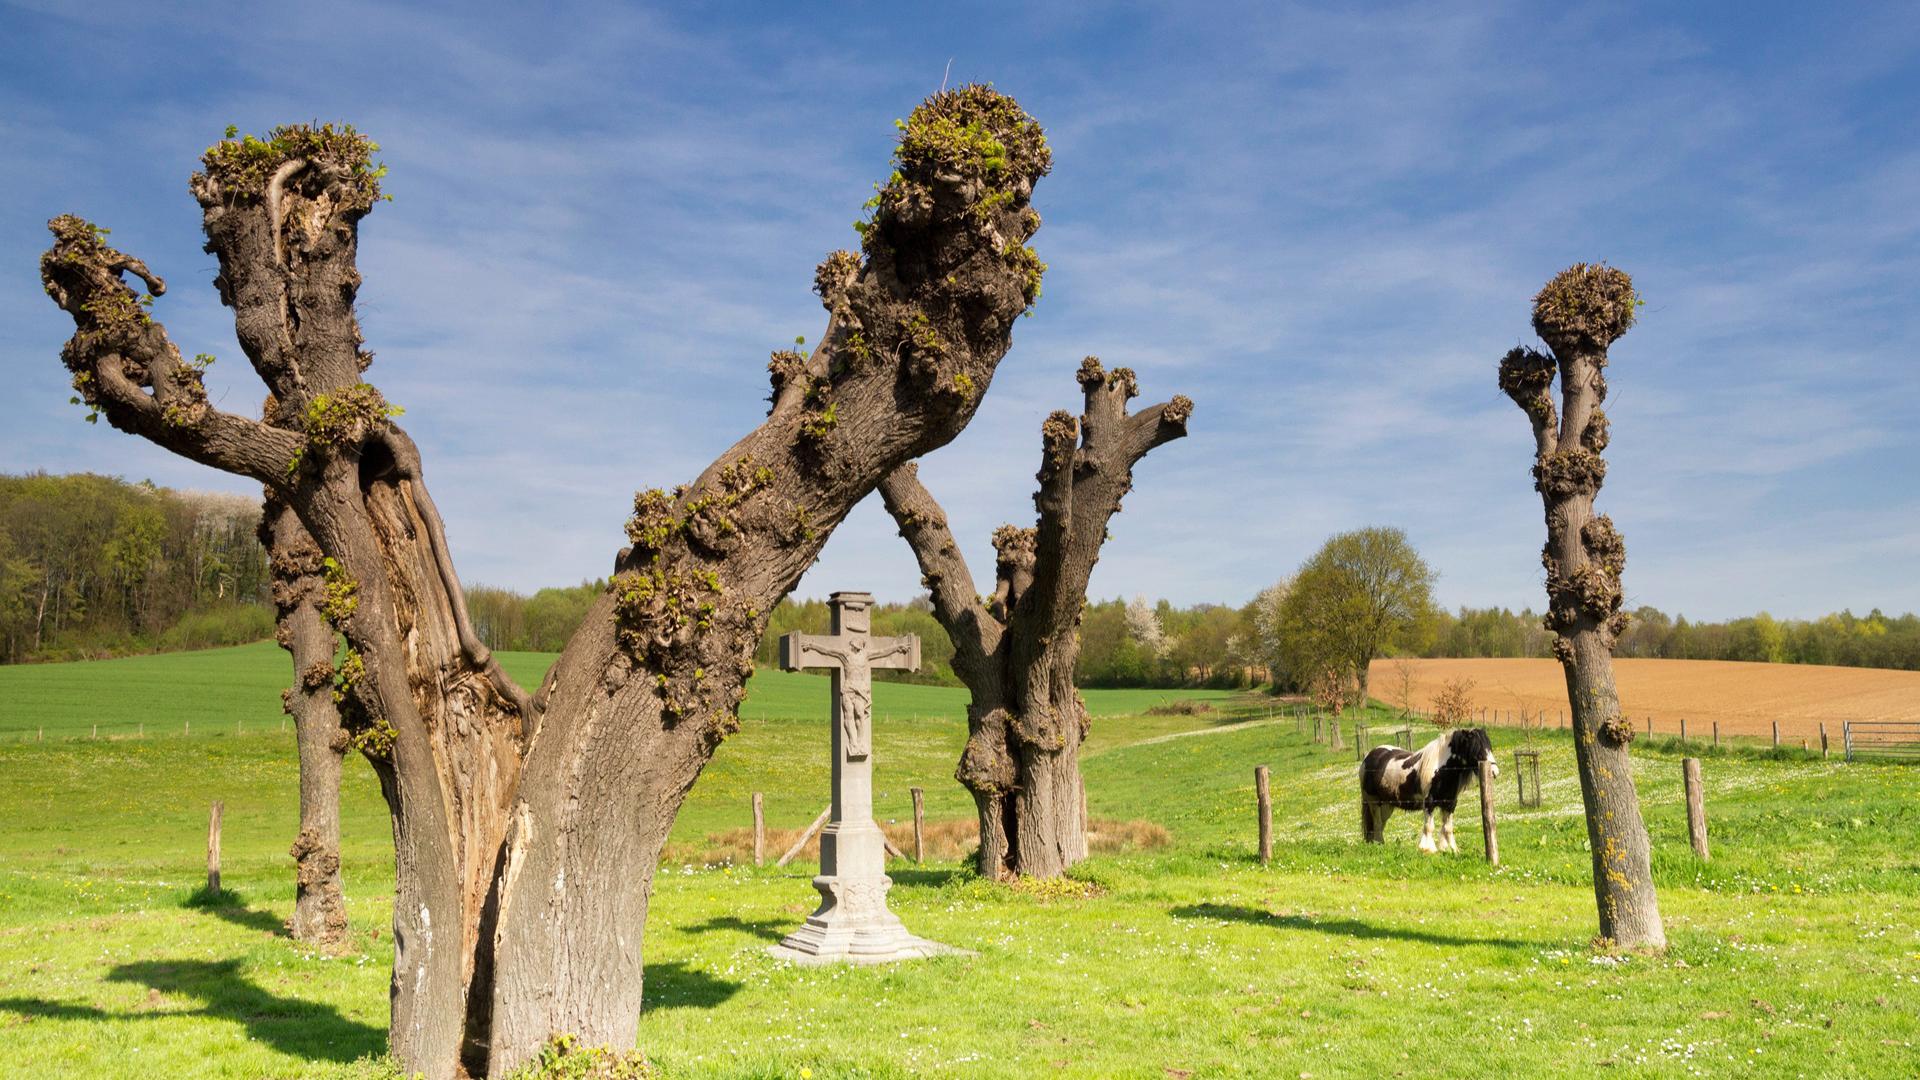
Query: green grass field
{"x": 1796, "y": 951}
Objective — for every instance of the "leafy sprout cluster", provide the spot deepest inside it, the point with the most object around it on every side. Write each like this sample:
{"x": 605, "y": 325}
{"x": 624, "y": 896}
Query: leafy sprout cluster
{"x": 242, "y": 165}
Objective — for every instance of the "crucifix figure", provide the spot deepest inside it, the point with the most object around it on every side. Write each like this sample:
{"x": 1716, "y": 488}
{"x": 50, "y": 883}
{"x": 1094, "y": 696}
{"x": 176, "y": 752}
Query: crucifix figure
{"x": 853, "y": 922}
{"x": 851, "y": 653}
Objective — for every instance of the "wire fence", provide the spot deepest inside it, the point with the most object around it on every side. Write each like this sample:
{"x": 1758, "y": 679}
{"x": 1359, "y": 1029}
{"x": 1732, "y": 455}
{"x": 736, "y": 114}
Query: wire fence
{"x": 140, "y": 729}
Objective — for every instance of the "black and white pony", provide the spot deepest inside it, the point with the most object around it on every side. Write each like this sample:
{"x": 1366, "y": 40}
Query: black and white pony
{"x": 1426, "y": 779}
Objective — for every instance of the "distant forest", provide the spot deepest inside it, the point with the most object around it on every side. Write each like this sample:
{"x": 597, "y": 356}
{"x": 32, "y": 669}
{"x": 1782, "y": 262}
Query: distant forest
{"x": 95, "y": 566}
{"x": 1845, "y": 639}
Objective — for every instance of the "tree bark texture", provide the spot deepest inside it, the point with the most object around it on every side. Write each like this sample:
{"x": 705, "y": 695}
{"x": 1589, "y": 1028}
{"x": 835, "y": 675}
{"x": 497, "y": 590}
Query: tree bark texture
{"x": 1016, "y": 649}
{"x": 527, "y": 826}
{"x": 299, "y": 590}
{"x": 1579, "y": 314}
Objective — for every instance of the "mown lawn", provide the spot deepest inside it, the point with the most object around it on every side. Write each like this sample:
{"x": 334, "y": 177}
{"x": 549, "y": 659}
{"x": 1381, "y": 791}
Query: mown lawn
{"x": 1796, "y": 952}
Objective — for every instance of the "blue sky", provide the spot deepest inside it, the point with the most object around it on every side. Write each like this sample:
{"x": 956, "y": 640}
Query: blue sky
{"x": 1323, "y": 223}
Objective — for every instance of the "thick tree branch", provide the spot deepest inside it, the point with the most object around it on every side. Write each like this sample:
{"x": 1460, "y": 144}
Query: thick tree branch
{"x": 917, "y": 324}
{"x": 1054, "y": 526}
{"x": 125, "y": 366}
{"x": 1526, "y": 376}
{"x": 407, "y": 465}
{"x": 282, "y": 214}
{"x": 1076, "y": 500}
{"x": 1013, "y": 565}
{"x": 956, "y": 601}
{"x": 1156, "y": 426}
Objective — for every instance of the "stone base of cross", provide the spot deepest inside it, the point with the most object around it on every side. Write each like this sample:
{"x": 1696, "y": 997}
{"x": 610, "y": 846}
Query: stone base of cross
{"x": 852, "y": 923}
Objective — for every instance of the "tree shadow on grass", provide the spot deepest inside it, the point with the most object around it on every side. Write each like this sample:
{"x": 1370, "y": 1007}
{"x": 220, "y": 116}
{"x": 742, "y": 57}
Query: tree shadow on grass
{"x": 232, "y": 907}
{"x": 1353, "y": 928}
{"x": 770, "y": 929}
{"x": 674, "y": 985}
{"x": 303, "y": 1029}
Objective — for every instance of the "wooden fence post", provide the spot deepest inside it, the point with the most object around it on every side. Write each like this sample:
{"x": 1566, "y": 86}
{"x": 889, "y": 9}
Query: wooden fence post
{"x": 1696, "y": 807}
{"x": 1716, "y": 734}
{"x": 919, "y": 824}
{"x": 1264, "y": 796}
{"x": 1649, "y": 727}
{"x": 1683, "y": 731}
{"x": 213, "y": 847}
{"x": 96, "y": 731}
{"x": 1086, "y": 823}
{"x": 1487, "y": 825}
{"x": 759, "y": 830}
{"x": 1336, "y": 743}
{"x": 1823, "y": 740}
{"x": 1776, "y": 734}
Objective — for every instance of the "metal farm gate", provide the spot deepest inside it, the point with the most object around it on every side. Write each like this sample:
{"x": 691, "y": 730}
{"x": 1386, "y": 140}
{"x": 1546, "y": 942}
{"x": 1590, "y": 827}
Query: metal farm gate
{"x": 1882, "y": 738}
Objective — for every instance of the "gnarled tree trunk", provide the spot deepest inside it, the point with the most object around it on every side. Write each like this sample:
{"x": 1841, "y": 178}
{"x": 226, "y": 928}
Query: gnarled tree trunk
{"x": 526, "y": 827}
{"x": 299, "y": 589}
{"x": 1579, "y": 314}
{"x": 1016, "y": 651}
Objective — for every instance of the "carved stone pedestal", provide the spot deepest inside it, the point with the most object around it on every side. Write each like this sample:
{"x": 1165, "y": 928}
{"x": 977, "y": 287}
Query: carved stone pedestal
{"x": 854, "y": 926}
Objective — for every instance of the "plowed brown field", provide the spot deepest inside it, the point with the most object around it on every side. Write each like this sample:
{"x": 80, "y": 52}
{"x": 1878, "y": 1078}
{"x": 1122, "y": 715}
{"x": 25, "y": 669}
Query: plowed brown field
{"x": 1745, "y": 698}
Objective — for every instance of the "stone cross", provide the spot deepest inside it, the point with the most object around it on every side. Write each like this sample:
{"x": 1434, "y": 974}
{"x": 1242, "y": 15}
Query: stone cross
{"x": 850, "y": 653}
{"x": 853, "y": 922}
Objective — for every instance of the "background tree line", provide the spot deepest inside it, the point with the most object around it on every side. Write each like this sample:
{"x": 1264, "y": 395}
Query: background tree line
{"x": 95, "y": 566}
{"x": 1872, "y": 640}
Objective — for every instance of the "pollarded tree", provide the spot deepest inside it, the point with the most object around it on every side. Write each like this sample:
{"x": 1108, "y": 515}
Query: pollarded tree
{"x": 527, "y": 826}
{"x": 1579, "y": 314}
{"x": 1016, "y": 649}
{"x": 298, "y": 572}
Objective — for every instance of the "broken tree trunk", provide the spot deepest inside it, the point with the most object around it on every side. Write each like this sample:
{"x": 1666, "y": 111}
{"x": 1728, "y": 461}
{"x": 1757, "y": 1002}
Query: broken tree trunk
{"x": 527, "y": 827}
{"x": 1579, "y": 314}
{"x": 1016, "y": 652}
